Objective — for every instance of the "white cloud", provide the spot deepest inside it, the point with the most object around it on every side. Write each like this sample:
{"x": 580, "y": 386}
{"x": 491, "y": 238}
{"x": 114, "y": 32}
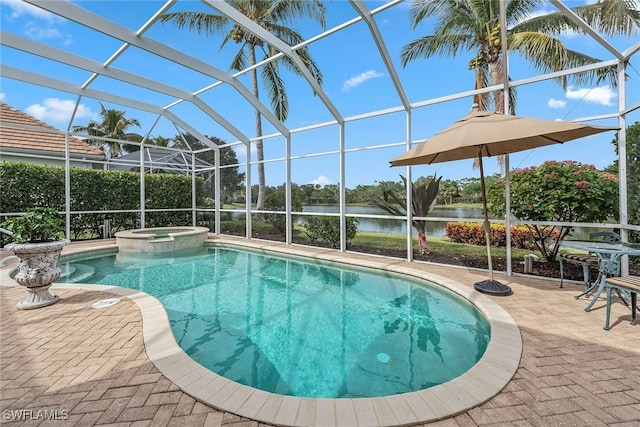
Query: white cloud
{"x": 33, "y": 18}
{"x": 598, "y": 95}
{"x": 241, "y": 151}
{"x": 556, "y": 103}
{"x": 359, "y": 79}
{"x": 3, "y": 96}
{"x": 38, "y": 32}
{"x": 55, "y": 110}
{"x": 19, "y": 8}
{"x": 321, "y": 180}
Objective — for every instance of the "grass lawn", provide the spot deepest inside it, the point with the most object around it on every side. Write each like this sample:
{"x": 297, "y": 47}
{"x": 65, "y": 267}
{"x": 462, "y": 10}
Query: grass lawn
{"x": 438, "y": 245}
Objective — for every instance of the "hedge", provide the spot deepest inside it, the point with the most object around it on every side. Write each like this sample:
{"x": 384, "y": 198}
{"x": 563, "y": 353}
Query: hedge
{"x": 27, "y": 185}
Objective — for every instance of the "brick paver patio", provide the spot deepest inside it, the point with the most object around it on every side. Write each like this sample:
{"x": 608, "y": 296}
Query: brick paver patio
{"x": 88, "y": 366}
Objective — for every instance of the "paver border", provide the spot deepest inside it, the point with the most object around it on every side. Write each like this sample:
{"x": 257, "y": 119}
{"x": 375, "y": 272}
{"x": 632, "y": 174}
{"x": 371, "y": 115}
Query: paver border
{"x": 473, "y": 388}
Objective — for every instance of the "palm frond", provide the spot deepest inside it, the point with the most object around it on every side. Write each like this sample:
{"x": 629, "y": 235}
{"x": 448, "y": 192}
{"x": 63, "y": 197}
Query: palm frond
{"x": 289, "y": 10}
{"x": 550, "y": 24}
{"x": 476, "y": 11}
{"x": 611, "y": 17}
{"x": 272, "y": 15}
{"x": 544, "y": 51}
{"x": 201, "y": 22}
{"x": 239, "y": 61}
{"x": 276, "y": 90}
{"x": 421, "y": 10}
{"x": 548, "y": 54}
{"x": 605, "y": 74}
{"x": 308, "y": 62}
{"x": 292, "y": 38}
{"x": 428, "y": 46}
{"x": 286, "y": 34}
{"x": 520, "y": 10}
{"x": 423, "y": 199}
{"x": 311, "y": 65}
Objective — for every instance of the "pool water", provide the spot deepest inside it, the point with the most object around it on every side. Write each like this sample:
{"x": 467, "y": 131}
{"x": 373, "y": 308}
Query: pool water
{"x": 299, "y": 328}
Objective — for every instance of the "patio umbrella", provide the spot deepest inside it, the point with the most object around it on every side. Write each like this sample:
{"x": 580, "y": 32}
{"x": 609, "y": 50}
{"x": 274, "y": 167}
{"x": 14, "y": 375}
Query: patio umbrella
{"x": 483, "y": 133}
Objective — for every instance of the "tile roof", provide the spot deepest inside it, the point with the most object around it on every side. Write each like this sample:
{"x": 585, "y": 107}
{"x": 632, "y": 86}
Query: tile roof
{"x": 31, "y": 139}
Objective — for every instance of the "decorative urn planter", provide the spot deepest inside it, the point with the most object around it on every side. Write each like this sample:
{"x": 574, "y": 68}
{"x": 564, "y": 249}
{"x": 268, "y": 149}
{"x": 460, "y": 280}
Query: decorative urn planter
{"x": 35, "y": 235}
{"x": 37, "y": 270}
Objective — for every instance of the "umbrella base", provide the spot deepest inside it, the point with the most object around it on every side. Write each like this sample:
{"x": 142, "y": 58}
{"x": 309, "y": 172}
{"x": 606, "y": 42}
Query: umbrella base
{"x": 492, "y": 287}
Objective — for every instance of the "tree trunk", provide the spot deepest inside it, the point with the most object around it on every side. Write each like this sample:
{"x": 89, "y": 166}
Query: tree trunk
{"x": 497, "y": 77}
{"x": 495, "y": 68}
{"x": 259, "y": 146}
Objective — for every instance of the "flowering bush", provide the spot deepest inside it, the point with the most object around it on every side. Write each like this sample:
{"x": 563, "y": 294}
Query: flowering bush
{"x": 472, "y": 233}
{"x": 566, "y": 191}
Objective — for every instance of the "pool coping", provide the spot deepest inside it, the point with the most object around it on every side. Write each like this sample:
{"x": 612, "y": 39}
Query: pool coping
{"x": 476, "y": 386}
{"x": 171, "y": 238}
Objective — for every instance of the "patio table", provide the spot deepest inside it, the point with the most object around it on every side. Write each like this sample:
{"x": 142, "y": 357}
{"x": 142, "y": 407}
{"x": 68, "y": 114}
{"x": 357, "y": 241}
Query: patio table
{"x": 609, "y": 254}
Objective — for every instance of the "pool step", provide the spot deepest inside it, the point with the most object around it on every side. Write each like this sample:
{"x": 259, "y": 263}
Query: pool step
{"x": 76, "y": 273}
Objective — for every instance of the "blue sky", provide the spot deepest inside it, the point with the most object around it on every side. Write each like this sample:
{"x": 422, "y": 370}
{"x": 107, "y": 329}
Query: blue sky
{"x": 355, "y": 80}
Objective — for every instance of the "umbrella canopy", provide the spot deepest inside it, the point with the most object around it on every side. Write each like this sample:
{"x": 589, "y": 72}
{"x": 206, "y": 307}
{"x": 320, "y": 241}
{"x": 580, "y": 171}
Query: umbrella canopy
{"x": 494, "y": 134}
{"x": 483, "y": 133}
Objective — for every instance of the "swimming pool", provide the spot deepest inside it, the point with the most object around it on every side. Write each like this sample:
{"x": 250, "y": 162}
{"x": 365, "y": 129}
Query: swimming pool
{"x": 303, "y": 328}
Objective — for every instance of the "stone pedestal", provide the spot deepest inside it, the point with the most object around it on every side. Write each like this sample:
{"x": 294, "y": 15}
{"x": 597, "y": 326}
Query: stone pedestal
{"x": 37, "y": 270}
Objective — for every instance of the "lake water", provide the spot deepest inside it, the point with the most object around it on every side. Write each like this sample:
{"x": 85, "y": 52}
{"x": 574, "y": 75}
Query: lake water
{"x": 399, "y": 226}
{"x": 434, "y": 228}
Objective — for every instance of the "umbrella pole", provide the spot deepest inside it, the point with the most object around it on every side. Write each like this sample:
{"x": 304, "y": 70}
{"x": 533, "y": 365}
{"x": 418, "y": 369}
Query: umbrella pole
{"x": 486, "y": 226}
{"x": 490, "y": 286}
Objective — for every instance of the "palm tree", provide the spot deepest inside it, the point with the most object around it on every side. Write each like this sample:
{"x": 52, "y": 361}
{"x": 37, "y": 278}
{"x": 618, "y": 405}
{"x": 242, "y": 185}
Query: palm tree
{"x": 272, "y": 15}
{"x": 160, "y": 141}
{"x": 424, "y": 195}
{"x": 473, "y": 26}
{"x": 114, "y": 125}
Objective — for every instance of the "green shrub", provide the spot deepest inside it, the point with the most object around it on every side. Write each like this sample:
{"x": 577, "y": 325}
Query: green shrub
{"x": 275, "y": 201}
{"x": 327, "y": 228}
{"x": 37, "y": 225}
{"x": 238, "y": 227}
{"x": 233, "y": 226}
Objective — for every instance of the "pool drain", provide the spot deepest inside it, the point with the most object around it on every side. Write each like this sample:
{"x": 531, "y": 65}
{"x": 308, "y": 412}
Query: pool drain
{"x": 106, "y": 303}
{"x": 383, "y": 358}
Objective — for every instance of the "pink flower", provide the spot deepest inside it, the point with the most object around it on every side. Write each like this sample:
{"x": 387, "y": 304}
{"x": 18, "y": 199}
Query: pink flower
{"x": 609, "y": 176}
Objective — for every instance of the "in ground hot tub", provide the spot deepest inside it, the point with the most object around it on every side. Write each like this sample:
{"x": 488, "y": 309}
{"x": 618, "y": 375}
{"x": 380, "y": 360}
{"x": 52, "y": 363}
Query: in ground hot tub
{"x": 161, "y": 239}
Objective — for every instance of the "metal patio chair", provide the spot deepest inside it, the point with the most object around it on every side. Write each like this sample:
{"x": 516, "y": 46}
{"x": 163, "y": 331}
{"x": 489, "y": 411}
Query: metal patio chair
{"x": 587, "y": 260}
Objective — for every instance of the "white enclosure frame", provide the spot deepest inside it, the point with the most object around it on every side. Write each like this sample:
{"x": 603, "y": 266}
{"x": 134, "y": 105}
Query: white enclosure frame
{"x": 129, "y": 38}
